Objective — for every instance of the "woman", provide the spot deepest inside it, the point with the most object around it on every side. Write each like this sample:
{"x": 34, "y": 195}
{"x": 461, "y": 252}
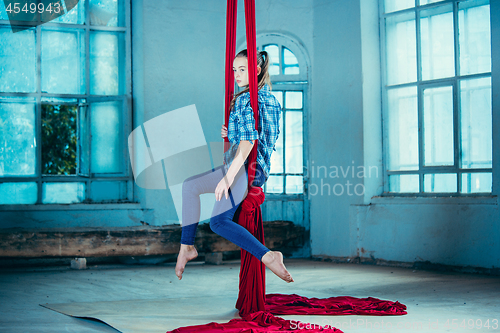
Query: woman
{"x": 232, "y": 187}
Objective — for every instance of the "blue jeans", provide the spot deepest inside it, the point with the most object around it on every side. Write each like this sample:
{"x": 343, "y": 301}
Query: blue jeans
{"x": 221, "y": 221}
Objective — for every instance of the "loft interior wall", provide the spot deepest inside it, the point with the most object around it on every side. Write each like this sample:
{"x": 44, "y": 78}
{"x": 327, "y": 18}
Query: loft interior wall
{"x": 460, "y": 231}
{"x": 448, "y": 231}
{"x": 178, "y": 52}
{"x": 182, "y": 46}
{"x": 178, "y": 59}
{"x": 336, "y": 128}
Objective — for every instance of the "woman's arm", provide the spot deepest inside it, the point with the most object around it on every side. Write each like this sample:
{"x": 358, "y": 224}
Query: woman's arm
{"x": 247, "y": 136}
{"x": 244, "y": 149}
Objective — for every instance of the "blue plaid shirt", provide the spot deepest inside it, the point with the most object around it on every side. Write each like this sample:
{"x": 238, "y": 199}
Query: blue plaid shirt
{"x": 242, "y": 127}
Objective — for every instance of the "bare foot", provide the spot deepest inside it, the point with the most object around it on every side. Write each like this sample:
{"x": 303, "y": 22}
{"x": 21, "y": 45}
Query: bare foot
{"x": 186, "y": 253}
{"x": 274, "y": 261}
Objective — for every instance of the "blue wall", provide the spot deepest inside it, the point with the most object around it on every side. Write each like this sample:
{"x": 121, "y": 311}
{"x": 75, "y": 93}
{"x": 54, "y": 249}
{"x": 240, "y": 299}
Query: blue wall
{"x": 345, "y": 127}
{"x": 336, "y": 128}
{"x": 178, "y": 60}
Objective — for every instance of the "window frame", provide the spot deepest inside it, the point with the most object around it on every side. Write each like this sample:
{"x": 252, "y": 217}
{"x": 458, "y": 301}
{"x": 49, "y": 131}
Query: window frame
{"x": 289, "y": 82}
{"x": 84, "y": 104}
{"x": 453, "y": 81}
{"x": 282, "y": 202}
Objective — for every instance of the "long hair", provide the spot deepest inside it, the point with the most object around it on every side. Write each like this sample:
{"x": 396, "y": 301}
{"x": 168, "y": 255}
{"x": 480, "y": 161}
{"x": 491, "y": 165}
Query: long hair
{"x": 262, "y": 78}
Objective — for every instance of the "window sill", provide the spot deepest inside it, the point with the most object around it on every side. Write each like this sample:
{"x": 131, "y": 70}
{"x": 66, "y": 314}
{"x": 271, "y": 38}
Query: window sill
{"x": 437, "y": 200}
{"x": 76, "y": 206}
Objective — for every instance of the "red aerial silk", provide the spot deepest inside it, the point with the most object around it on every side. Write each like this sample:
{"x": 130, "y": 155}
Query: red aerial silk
{"x": 256, "y": 309}
{"x": 252, "y": 294}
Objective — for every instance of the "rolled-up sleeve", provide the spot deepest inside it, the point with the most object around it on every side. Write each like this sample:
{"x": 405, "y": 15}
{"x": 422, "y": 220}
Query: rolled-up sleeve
{"x": 246, "y": 124}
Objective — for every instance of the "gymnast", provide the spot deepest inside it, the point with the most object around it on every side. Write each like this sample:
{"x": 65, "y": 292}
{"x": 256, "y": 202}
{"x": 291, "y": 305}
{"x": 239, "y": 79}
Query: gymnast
{"x": 232, "y": 188}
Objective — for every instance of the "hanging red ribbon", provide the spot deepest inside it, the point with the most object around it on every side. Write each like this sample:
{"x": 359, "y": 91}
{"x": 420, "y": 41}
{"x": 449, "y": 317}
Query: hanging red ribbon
{"x": 252, "y": 76}
{"x": 251, "y": 297}
{"x": 231, "y": 18}
{"x": 230, "y": 53}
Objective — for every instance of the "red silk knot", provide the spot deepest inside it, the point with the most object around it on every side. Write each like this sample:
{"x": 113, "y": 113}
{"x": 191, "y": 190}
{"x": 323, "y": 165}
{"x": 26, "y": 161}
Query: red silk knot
{"x": 255, "y": 197}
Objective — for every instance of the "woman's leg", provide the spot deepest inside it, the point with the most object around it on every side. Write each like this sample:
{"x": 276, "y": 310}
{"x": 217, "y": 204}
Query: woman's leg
{"x": 224, "y": 212}
{"x": 224, "y": 225}
{"x": 192, "y": 187}
{"x": 222, "y": 220}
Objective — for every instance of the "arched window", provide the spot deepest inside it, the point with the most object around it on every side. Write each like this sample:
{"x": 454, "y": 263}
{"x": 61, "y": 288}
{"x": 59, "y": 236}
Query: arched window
{"x": 286, "y": 188}
{"x": 283, "y": 60}
{"x": 289, "y": 81}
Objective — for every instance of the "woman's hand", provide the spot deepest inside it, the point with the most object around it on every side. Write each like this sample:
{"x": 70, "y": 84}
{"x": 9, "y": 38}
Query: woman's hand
{"x": 223, "y": 131}
{"x": 223, "y": 187}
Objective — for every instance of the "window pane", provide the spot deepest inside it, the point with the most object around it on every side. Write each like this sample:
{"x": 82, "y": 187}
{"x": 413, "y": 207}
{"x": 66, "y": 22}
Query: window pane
{"x": 63, "y": 61}
{"x": 17, "y": 139}
{"x": 83, "y": 140}
{"x": 425, "y": 2}
{"x": 294, "y": 185}
{"x": 59, "y": 154}
{"x": 279, "y": 96}
{"x": 440, "y": 182}
{"x": 76, "y": 14}
{"x": 106, "y": 74}
{"x": 403, "y": 183}
{"x": 475, "y": 123}
{"x": 106, "y": 145}
{"x": 402, "y": 129}
{"x": 274, "y": 184}
{"x": 277, "y": 156}
{"x": 108, "y": 191}
{"x": 274, "y": 58}
{"x": 437, "y": 38}
{"x": 293, "y": 142}
{"x": 18, "y": 193}
{"x": 17, "y": 60}
{"x": 290, "y": 63}
{"x": 475, "y": 37}
{"x": 293, "y": 100}
{"x": 476, "y": 183}
{"x": 106, "y": 12}
{"x": 63, "y": 193}
{"x": 438, "y": 126}
{"x": 401, "y": 49}
{"x": 394, "y": 5}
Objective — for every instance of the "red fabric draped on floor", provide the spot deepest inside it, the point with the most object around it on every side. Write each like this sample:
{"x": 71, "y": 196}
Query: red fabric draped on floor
{"x": 341, "y": 305}
{"x": 257, "y": 322}
{"x": 256, "y": 309}
{"x": 266, "y": 321}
